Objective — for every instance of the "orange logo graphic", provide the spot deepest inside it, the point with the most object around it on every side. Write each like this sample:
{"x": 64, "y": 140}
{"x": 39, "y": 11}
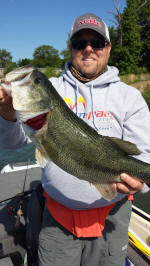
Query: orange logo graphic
{"x": 72, "y": 106}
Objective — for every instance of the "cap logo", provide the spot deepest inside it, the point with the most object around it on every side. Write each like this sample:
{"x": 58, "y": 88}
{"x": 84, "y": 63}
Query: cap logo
{"x": 90, "y": 20}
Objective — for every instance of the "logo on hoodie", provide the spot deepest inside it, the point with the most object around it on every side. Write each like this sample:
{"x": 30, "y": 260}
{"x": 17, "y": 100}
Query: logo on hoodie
{"x": 72, "y": 106}
{"x": 102, "y": 115}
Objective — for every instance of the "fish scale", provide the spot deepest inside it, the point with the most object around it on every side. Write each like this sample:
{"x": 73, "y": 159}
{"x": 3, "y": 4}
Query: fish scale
{"x": 67, "y": 140}
{"x": 86, "y": 159}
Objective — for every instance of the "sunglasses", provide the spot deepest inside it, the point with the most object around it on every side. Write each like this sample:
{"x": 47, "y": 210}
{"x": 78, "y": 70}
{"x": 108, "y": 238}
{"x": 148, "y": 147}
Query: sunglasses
{"x": 95, "y": 44}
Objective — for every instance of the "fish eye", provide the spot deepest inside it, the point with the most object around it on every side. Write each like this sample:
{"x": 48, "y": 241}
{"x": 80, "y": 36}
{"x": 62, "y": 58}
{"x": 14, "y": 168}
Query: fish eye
{"x": 37, "y": 81}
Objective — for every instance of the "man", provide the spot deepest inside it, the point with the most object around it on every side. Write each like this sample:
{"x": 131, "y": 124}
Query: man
{"x": 79, "y": 226}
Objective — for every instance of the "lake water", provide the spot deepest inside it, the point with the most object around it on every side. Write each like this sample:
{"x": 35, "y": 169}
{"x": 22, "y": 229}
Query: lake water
{"x": 27, "y": 153}
{"x": 23, "y": 154}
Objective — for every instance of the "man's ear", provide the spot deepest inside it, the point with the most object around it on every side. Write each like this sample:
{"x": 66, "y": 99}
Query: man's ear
{"x": 109, "y": 47}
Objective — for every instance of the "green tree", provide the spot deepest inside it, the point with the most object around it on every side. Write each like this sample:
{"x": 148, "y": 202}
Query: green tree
{"x": 46, "y": 55}
{"x": 5, "y": 58}
{"x": 131, "y": 38}
{"x": 23, "y": 62}
{"x": 143, "y": 11}
{"x": 121, "y": 58}
{"x": 66, "y": 52}
{"x": 66, "y": 56}
{"x": 51, "y": 72}
{"x": 114, "y": 37}
{"x": 10, "y": 66}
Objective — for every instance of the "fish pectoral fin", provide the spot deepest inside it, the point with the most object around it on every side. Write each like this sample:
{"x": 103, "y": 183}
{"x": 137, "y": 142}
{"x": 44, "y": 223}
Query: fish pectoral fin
{"x": 41, "y": 160}
{"x": 126, "y": 146}
{"x": 107, "y": 190}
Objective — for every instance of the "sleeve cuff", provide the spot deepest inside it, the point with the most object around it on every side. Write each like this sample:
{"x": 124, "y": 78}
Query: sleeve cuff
{"x": 145, "y": 189}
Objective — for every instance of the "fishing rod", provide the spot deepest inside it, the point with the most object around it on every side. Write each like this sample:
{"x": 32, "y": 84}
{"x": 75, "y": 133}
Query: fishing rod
{"x": 19, "y": 195}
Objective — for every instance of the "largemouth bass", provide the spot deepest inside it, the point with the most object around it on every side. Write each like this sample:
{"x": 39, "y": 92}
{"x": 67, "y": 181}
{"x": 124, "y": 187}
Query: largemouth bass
{"x": 65, "y": 139}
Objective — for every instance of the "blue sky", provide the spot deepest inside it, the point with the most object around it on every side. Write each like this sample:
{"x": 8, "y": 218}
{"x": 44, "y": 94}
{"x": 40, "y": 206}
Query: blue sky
{"x": 27, "y": 24}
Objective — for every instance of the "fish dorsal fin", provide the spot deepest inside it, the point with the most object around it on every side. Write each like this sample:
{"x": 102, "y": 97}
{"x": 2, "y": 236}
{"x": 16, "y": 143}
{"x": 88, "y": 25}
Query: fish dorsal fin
{"x": 126, "y": 146}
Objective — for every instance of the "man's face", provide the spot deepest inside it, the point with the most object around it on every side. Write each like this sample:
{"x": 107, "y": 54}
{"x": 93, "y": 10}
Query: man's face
{"x": 90, "y": 62}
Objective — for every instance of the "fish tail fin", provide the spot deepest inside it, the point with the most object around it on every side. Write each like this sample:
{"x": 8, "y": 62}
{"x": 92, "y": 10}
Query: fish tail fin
{"x": 107, "y": 190}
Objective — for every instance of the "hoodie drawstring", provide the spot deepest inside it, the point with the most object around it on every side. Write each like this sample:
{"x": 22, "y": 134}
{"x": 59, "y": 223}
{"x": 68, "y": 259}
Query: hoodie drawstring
{"x": 92, "y": 101}
{"x": 77, "y": 96}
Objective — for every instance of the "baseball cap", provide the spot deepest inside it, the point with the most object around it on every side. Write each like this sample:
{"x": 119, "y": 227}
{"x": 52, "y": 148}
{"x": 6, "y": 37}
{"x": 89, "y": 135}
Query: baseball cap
{"x": 90, "y": 21}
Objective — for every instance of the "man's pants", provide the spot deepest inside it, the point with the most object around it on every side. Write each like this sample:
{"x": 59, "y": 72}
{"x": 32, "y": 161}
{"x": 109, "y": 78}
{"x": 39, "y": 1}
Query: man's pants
{"x": 57, "y": 246}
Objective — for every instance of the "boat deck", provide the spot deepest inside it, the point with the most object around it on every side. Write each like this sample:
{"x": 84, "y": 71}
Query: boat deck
{"x": 15, "y": 180}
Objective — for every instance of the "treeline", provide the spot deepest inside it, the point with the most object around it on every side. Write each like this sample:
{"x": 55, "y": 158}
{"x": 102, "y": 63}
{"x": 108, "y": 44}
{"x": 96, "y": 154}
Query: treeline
{"x": 130, "y": 40}
{"x": 45, "y": 56}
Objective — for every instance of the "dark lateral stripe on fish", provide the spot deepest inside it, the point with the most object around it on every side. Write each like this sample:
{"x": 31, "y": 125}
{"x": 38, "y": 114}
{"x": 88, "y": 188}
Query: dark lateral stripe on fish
{"x": 37, "y": 122}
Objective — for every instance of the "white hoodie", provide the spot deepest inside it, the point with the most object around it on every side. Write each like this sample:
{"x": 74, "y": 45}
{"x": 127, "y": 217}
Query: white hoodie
{"x": 109, "y": 106}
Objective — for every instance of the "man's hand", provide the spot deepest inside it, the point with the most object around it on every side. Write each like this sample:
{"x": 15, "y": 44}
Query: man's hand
{"x": 130, "y": 184}
{"x": 6, "y": 108}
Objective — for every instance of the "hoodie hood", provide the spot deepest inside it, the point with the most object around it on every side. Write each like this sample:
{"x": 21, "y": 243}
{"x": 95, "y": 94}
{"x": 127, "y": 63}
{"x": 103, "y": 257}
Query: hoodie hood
{"x": 109, "y": 76}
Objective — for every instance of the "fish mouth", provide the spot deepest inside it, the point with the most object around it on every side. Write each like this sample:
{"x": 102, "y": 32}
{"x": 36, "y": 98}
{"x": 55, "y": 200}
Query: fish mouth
{"x": 19, "y": 74}
{"x": 37, "y": 122}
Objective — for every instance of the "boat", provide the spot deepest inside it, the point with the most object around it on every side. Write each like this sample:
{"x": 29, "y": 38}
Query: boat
{"x": 139, "y": 237}
{"x": 17, "y": 182}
